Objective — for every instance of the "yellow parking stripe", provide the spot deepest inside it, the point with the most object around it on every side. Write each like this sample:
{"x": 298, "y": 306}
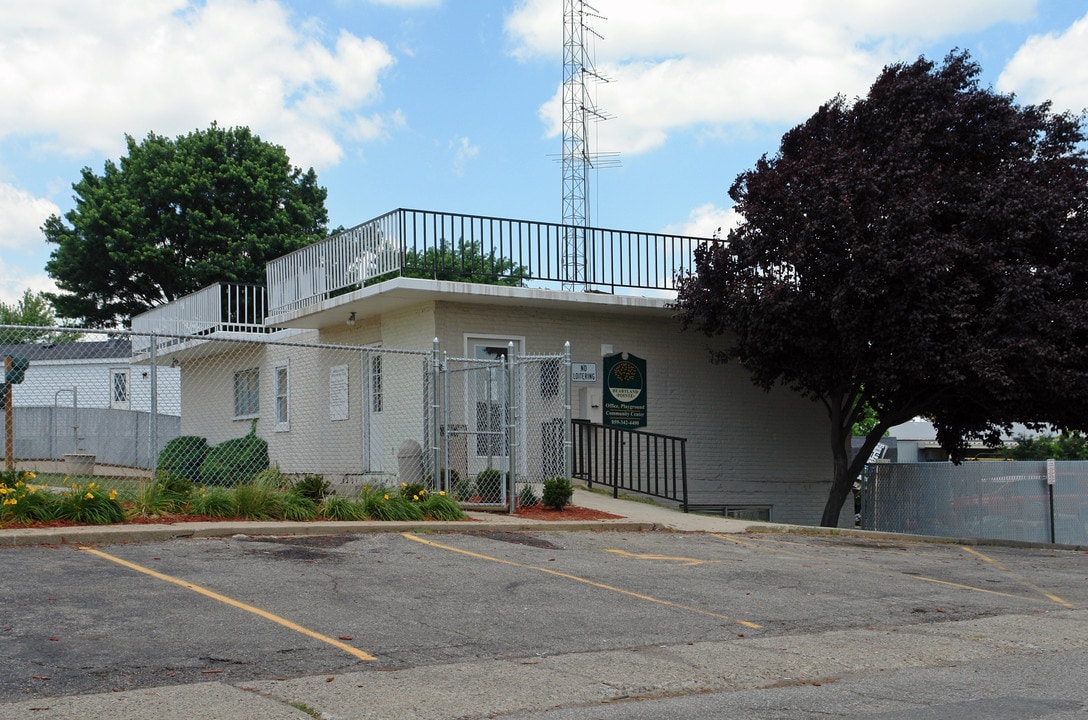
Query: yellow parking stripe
{"x": 868, "y": 567}
{"x": 1024, "y": 581}
{"x": 232, "y": 602}
{"x": 650, "y": 556}
{"x": 575, "y": 578}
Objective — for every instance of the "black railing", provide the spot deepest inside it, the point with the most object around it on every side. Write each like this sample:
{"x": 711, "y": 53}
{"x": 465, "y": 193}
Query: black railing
{"x": 633, "y": 460}
{"x": 475, "y": 248}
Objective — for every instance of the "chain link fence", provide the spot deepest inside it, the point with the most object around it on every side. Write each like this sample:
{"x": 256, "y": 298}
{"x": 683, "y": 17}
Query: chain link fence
{"x": 219, "y": 408}
{"x": 992, "y": 500}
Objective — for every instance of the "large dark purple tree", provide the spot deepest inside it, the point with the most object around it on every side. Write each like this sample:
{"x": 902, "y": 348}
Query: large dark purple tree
{"x": 921, "y": 251}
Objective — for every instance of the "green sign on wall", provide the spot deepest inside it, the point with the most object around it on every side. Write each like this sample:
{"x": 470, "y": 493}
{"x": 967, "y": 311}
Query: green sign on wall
{"x": 624, "y": 391}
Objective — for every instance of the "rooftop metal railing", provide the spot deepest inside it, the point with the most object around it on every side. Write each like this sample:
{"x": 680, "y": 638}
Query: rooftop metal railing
{"x": 437, "y": 245}
{"x": 222, "y": 307}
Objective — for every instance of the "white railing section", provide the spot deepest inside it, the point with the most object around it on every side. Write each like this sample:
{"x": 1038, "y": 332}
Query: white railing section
{"x": 221, "y": 307}
{"x": 347, "y": 259}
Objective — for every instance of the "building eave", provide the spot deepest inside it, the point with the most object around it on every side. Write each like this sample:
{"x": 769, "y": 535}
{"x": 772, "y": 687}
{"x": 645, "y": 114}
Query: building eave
{"x": 402, "y": 292}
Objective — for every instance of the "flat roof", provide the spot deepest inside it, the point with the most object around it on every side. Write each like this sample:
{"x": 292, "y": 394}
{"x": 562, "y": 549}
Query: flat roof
{"x": 402, "y": 292}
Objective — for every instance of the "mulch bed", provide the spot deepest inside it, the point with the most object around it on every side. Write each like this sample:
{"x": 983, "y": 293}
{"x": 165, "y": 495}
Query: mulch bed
{"x": 538, "y": 512}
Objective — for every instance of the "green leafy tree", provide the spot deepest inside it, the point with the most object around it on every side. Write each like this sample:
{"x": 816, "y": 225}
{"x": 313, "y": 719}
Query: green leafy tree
{"x": 920, "y": 251}
{"x": 175, "y": 216}
{"x": 33, "y": 309}
{"x": 465, "y": 262}
{"x": 1065, "y": 446}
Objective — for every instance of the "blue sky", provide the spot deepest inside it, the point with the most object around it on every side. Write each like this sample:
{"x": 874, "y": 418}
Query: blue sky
{"x": 454, "y": 104}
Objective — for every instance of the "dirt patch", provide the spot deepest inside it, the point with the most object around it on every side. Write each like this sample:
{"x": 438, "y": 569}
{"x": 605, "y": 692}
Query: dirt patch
{"x": 570, "y": 512}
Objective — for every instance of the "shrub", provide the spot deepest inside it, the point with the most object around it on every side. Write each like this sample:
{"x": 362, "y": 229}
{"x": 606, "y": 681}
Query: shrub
{"x": 24, "y": 502}
{"x": 527, "y": 496}
{"x": 272, "y": 478}
{"x": 89, "y": 504}
{"x": 440, "y": 506}
{"x": 298, "y": 508}
{"x": 234, "y": 462}
{"x": 216, "y": 502}
{"x": 412, "y": 491}
{"x": 335, "y": 508}
{"x": 258, "y": 502}
{"x": 489, "y": 485}
{"x": 313, "y": 487}
{"x": 166, "y": 493}
{"x": 381, "y": 504}
{"x": 183, "y": 456}
{"x": 557, "y": 492}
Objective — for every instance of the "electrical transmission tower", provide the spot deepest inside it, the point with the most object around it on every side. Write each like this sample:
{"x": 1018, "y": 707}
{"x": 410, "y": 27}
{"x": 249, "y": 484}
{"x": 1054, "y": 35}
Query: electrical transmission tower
{"x": 579, "y": 111}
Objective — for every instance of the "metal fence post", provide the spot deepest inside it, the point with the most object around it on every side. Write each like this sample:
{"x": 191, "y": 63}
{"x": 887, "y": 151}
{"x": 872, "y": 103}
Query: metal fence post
{"x": 153, "y": 423}
{"x": 511, "y": 429}
{"x": 437, "y": 468}
{"x": 568, "y": 445}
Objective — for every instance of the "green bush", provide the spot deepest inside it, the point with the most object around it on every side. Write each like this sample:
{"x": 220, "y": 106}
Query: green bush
{"x": 24, "y": 502}
{"x": 489, "y": 485}
{"x": 439, "y": 506}
{"x": 527, "y": 496}
{"x": 335, "y": 508}
{"x": 217, "y": 503}
{"x": 235, "y": 462}
{"x": 166, "y": 493}
{"x": 557, "y": 492}
{"x": 313, "y": 487}
{"x": 183, "y": 456}
{"x": 89, "y": 504}
{"x": 297, "y": 508}
{"x": 272, "y": 478}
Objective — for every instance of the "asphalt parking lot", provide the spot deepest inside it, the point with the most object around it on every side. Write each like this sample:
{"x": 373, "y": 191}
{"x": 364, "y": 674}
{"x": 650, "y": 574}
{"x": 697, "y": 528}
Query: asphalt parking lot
{"x": 270, "y": 616}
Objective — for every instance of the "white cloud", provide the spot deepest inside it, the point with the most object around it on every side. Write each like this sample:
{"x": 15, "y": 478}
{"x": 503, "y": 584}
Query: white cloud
{"x": 463, "y": 152}
{"x": 1051, "y": 67}
{"x": 408, "y": 4}
{"x": 689, "y": 63}
{"x": 21, "y": 218}
{"x": 706, "y": 221}
{"x": 77, "y": 76}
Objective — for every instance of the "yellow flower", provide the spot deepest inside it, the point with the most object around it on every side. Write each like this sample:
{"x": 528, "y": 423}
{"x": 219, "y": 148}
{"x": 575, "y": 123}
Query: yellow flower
{"x": 423, "y": 491}
{"x": 113, "y": 494}
{"x": 30, "y": 476}
{"x": 11, "y": 501}
{"x": 89, "y": 496}
{"x": 404, "y": 484}
{"x": 387, "y": 496}
{"x": 415, "y": 498}
{"x": 441, "y": 493}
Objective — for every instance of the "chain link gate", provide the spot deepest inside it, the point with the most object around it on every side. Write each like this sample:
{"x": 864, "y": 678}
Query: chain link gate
{"x": 505, "y": 425}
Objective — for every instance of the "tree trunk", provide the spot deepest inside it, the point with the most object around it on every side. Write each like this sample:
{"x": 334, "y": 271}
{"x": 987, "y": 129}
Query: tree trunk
{"x": 847, "y": 470}
{"x": 842, "y": 483}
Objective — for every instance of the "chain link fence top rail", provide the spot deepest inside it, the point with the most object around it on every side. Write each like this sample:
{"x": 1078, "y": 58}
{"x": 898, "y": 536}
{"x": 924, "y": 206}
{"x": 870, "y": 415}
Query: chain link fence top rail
{"x": 992, "y": 500}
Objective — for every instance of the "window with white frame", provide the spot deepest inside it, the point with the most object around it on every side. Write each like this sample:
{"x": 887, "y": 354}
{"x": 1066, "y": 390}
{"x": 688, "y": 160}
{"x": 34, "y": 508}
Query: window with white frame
{"x": 247, "y": 396}
{"x": 119, "y": 389}
{"x": 282, "y": 385}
